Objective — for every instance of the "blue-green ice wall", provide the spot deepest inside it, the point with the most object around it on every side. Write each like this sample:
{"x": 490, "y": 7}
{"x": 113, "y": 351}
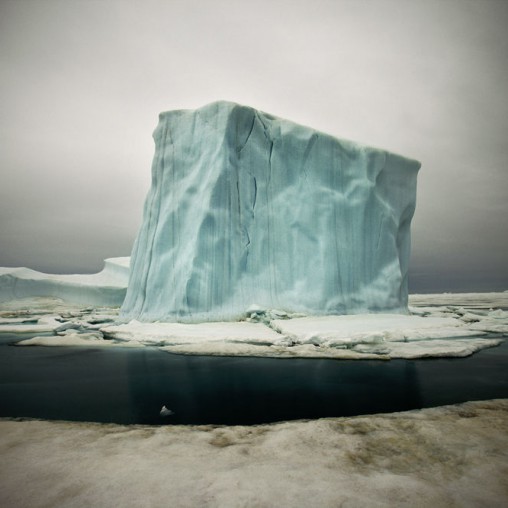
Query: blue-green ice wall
{"x": 246, "y": 208}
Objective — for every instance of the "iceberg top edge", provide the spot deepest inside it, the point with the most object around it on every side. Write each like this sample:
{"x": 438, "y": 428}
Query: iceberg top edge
{"x": 229, "y": 107}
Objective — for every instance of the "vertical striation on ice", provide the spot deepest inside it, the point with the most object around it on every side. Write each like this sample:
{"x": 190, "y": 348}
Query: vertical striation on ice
{"x": 246, "y": 208}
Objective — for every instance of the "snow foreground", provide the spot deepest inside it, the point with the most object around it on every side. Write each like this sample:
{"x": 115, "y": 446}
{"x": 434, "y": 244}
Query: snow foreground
{"x": 449, "y": 330}
{"x": 246, "y": 207}
{"x": 440, "y": 457}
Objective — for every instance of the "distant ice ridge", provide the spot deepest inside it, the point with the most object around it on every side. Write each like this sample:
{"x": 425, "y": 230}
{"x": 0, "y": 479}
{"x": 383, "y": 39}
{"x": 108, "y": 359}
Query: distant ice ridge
{"x": 104, "y": 288}
{"x": 246, "y": 208}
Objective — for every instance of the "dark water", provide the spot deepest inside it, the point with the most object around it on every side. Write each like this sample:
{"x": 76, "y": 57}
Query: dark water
{"x": 127, "y": 385}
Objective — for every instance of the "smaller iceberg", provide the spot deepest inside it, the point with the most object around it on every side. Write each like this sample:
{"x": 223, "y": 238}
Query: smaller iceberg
{"x": 106, "y": 288}
{"x": 166, "y": 412}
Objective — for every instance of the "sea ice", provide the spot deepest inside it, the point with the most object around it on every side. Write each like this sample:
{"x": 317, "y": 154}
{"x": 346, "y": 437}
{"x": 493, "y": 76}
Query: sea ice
{"x": 90, "y": 340}
{"x": 457, "y": 300}
{"x": 46, "y": 324}
{"x": 246, "y": 208}
{"x": 455, "y": 348}
{"x": 432, "y": 331}
{"x": 439, "y": 457}
{"x": 183, "y": 333}
{"x": 337, "y": 331}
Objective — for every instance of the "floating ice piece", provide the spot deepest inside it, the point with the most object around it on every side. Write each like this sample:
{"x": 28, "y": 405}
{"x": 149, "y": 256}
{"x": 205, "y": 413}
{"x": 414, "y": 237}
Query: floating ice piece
{"x": 347, "y": 331}
{"x": 440, "y": 348}
{"x": 104, "y": 288}
{"x": 248, "y": 208}
{"x": 92, "y": 339}
{"x": 71, "y": 339}
{"x": 45, "y": 324}
{"x": 433, "y": 311}
{"x": 18, "y": 321}
{"x": 31, "y": 307}
{"x": 183, "y": 333}
{"x": 282, "y": 351}
{"x": 166, "y": 412}
{"x": 490, "y": 326}
{"x": 372, "y": 336}
{"x": 469, "y": 300}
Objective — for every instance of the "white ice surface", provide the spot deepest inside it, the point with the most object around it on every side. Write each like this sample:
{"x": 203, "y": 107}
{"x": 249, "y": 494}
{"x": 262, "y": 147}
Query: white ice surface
{"x": 440, "y": 348}
{"x": 470, "y": 300}
{"x": 76, "y": 339}
{"x": 336, "y": 331}
{"x": 180, "y": 333}
{"x": 452, "y": 456}
{"x": 431, "y": 331}
{"x": 45, "y": 324}
{"x": 352, "y": 336}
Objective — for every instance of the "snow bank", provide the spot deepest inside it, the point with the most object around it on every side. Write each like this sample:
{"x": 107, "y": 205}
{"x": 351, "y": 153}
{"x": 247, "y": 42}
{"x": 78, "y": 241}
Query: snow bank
{"x": 441, "y": 457}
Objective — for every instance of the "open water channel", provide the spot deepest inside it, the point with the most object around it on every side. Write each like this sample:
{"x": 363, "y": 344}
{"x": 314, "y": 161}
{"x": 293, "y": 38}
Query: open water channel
{"x": 130, "y": 385}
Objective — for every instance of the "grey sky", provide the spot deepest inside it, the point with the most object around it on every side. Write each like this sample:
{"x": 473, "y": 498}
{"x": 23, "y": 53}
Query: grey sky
{"x": 82, "y": 83}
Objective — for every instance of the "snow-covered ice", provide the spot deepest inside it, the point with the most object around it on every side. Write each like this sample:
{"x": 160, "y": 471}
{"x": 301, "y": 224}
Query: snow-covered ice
{"x": 448, "y": 456}
{"x": 246, "y": 208}
{"x": 178, "y": 333}
{"x": 337, "y": 331}
{"x": 92, "y": 339}
{"x": 469, "y": 300}
{"x": 430, "y": 331}
{"x": 45, "y": 324}
{"x": 387, "y": 334}
{"x": 440, "y": 457}
{"x": 52, "y": 321}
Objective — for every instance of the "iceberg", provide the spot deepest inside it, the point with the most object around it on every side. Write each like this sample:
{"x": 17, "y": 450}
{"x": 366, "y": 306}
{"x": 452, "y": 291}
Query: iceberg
{"x": 249, "y": 209}
{"x": 104, "y": 288}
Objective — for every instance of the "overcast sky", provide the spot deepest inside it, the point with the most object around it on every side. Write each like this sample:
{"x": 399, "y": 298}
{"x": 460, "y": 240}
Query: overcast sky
{"x": 82, "y": 83}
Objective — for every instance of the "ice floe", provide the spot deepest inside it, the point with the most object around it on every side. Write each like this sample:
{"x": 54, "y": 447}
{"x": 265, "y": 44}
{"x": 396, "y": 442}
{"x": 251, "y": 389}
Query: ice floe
{"x": 91, "y": 339}
{"x": 44, "y": 324}
{"x": 182, "y": 333}
{"x": 428, "y": 331}
{"x": 469, "y": 300}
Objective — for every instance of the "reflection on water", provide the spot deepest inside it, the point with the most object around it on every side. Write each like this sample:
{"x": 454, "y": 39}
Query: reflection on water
{"x": 127, "y": 385}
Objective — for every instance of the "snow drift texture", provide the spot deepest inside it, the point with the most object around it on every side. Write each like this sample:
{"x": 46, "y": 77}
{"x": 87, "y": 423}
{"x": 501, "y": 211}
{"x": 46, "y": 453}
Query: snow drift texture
{"x": 246, "y": 208}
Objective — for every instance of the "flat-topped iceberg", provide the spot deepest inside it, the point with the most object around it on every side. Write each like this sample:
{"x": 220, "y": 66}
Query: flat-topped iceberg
{"x": 246, "y": 208}
{"x": 104, "y": 288}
